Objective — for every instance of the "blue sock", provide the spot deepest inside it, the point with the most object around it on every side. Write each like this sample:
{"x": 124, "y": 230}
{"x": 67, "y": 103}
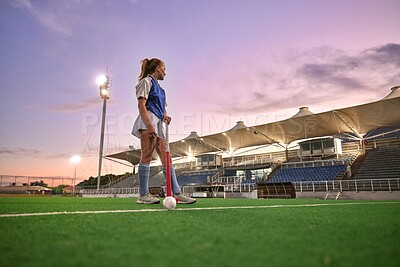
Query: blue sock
{"x": 144, "y": 174}
{"x": 175, "y": 186}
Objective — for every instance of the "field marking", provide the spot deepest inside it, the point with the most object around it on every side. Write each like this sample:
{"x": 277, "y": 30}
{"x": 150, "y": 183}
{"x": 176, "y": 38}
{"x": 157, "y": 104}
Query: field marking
{"x": 191, "y": 209}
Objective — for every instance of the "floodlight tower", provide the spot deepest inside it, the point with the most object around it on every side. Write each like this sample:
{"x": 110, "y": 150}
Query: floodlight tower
{"x": 104, "y": 82}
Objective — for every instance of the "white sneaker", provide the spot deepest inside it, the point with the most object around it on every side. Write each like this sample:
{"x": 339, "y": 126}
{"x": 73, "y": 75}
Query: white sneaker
{"x": 184, "y": 199}
{"x": 147, "y": 199}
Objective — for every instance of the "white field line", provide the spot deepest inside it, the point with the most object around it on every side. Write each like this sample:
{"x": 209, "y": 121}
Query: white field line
{"x": 191, "y": 209}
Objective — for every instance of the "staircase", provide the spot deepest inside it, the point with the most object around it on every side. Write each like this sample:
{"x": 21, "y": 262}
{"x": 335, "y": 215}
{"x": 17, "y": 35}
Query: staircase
{"x": 336, "y": 195}
{"x": 356, "y": 165}
{"x": 333, "y": 195}
{"x": 380, "y": 163}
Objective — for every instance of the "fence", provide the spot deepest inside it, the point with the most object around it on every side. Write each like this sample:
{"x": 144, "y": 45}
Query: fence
{"x": 315, "y": 163}
{"x": 370, "y": 185}
{"x": 16, "y": 180}
{"x": 240, "y": 188}
{"x": 111, "y": 191}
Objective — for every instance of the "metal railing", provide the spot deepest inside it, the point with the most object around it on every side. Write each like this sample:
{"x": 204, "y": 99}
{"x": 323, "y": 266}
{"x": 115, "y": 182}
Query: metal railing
{"x": 369, "y": 185}
{"x": 315, "y": 163}
{"x": 250, "y": 162}
{"x": 107, "y": 191}
{"x": 200, "y": 172}
{"x": 234, "y": 180}
{"x": 240, "y": 188}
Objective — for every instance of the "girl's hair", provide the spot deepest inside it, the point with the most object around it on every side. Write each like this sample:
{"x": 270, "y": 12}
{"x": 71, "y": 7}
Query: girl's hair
{"x": 149, "y": 66}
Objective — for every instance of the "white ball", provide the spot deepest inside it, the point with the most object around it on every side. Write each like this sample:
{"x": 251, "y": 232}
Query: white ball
{"x": 169, "y": 203}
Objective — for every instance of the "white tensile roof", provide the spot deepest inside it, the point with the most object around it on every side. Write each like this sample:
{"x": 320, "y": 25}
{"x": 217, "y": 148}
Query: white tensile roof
{"x": 356, "y": 120}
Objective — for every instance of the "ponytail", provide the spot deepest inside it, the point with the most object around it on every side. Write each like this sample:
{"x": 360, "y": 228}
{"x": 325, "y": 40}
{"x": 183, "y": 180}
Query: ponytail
{"x": 149, "y": 66}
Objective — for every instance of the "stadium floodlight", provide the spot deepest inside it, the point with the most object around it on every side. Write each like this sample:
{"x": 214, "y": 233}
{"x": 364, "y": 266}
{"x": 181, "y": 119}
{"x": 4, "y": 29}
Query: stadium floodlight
{"x": 101, "y": 80}
{"x": 104, "y": 83}
{"x": 75, "y": 160}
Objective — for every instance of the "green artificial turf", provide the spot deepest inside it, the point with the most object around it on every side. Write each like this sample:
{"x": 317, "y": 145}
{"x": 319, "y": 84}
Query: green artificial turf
{"x": 366, "y": 234}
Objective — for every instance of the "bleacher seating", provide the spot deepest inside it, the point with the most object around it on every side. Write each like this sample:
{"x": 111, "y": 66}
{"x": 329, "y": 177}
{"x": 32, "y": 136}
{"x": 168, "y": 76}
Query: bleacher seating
{"x": 320, "y": 173}
{"x": 249, "y": 181}
{"x": 195, "y": 178}
{"x": 380, "y": 163}
{"x": 130, "y": 181}
{"x": 133, "y": 180}
{"x": 156, "y": 179}
{"x": 192, "y": 179}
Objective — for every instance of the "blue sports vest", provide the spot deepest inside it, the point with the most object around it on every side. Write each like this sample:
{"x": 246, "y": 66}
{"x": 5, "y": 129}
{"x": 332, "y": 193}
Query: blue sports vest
{"x": 156, "y": 99}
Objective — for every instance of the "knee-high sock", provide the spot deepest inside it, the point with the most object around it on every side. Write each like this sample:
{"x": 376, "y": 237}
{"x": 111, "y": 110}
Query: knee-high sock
{"x": 144, "y": 174}
{"x": 175, "y": 186}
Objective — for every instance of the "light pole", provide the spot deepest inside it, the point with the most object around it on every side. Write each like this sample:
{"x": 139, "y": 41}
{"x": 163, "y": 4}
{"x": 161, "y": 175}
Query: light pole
{"x": 75, "y": 160}
{"x": 104, "y": 83}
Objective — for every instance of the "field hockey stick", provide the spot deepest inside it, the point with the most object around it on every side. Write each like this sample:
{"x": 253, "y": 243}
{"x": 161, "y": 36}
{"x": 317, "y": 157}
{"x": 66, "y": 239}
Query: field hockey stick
{"x": 168, "y": 165}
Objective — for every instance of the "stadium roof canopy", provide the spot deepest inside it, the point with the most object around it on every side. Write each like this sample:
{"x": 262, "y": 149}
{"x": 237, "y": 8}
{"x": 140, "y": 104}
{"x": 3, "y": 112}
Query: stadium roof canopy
{"x": 356, "y": 121}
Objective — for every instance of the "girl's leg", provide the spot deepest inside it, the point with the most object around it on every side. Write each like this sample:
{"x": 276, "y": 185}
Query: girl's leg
{"x": 162, "y": 153}
{"x": 176, "y": 190}
{"x": 144, "y": 173}
{"x": 147, "y": 145}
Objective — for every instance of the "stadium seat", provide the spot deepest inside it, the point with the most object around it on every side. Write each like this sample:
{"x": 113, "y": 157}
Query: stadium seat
{"x": 321, "y": 173}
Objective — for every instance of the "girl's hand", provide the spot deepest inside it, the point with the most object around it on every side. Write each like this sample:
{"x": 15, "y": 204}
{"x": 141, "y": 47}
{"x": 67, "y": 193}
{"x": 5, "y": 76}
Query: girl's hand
{"x": 151, "y": 131}
{"x": 167, "y": 119}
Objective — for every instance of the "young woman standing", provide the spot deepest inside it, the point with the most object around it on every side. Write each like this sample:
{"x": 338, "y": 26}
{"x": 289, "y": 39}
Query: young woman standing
{"x": 150, "y": 127}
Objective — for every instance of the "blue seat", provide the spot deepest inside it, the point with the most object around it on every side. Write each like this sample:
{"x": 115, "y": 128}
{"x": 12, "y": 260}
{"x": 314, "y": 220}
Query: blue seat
{"x": 320, "y": 173}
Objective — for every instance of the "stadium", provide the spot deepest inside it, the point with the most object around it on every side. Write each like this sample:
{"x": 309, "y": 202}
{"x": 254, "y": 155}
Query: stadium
{"x": 327, "y": 195}
{"x": 285, "y": 129}
{"x": 348, "y": 153}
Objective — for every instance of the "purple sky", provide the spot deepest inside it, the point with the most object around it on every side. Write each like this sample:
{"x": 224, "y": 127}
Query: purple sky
{"x": 256, "y": 61}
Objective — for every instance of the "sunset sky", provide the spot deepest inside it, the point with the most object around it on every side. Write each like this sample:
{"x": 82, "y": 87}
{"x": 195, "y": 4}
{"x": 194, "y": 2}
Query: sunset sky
{"x": 251, "y": 60}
